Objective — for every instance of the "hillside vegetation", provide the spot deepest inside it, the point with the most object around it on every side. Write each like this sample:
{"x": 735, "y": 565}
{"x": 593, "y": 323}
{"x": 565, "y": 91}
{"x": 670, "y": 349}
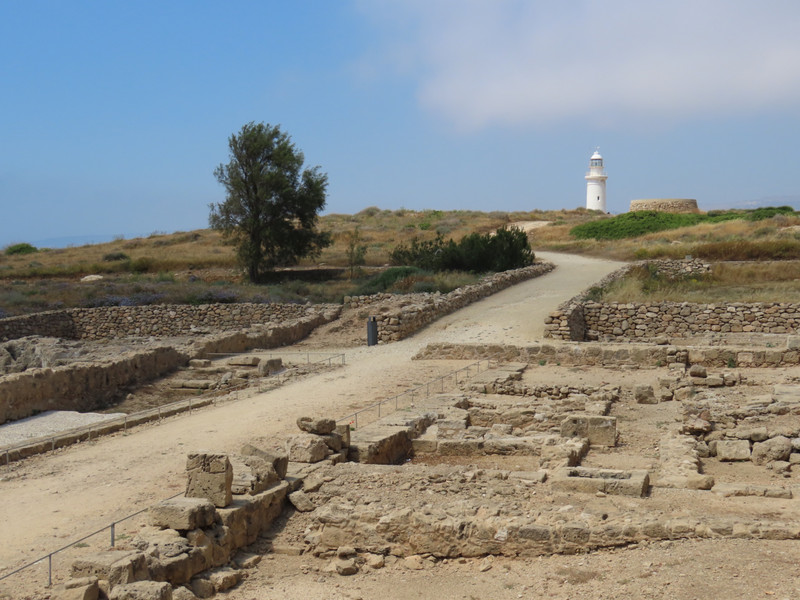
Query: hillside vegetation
{"x": 198, "y": 267}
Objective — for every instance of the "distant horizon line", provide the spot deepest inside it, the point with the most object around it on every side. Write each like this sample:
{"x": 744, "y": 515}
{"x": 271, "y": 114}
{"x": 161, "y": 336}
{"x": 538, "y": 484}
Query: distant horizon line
{"x": 102, "y": 238}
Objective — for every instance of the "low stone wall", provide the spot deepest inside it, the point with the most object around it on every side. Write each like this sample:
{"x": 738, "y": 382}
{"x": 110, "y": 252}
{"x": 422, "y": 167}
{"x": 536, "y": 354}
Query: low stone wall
{"x": 155, "y": 320}
{"x": 681, "y": 319}
{"x": 81, "y": 387}
{"x": 669, "y": 205}
{"x": 85, "y": 387}
{"x": 53, "y": 323}
{"x": 426, "y": 308}
{"x": 595, "y": 353}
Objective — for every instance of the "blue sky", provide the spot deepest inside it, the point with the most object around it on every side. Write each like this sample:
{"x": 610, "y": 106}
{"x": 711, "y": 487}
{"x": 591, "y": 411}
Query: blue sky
{"x": 113, "y": 115}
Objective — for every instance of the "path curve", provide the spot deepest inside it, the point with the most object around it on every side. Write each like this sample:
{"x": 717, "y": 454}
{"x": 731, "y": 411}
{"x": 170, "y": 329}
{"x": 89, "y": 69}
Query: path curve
{"x": 50, "y": 500}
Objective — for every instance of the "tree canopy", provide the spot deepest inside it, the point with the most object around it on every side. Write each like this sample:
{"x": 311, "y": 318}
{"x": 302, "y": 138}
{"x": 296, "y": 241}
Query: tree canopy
{"x": 272, "y": 204}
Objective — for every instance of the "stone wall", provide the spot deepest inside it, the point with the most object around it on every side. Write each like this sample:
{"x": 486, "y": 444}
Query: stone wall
{"x": 669, "y": 205}
{"x": 617, "y": 355}
{"x": 568, "y": 321}
{"x": 81, "y": 387}
{"x": 53, "y": 323}
{"x": 87, "y": 386}
{"x": 682, "y": 319}
{"x": 153, "y": 320}
{"x": 426, "y": 308}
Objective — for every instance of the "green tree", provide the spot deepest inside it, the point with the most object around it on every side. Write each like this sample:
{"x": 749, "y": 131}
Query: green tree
{"x": 272, "y": 204}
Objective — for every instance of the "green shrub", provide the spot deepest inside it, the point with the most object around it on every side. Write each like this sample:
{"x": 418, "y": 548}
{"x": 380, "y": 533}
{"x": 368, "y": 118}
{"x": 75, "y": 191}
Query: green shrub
{"x": 115, "y": 256}
{"x": 637, "y": 223}
{"x": 23, "y": 248}
{"x": 507, "y": 248}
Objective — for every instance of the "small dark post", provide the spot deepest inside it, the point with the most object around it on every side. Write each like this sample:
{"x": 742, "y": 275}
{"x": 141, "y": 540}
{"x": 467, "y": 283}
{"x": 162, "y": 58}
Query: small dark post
{"x": 372, "y": 331}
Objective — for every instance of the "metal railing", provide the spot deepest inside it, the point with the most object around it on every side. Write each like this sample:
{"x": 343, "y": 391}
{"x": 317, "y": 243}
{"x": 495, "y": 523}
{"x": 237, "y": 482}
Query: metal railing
{"x": 418, "y": 391}
{"x": 49, "y": 557}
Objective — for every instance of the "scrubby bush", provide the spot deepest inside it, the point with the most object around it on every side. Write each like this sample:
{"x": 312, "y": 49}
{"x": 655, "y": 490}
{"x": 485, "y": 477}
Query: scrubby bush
{"x": 142, "y": 265}
{"x": 115, "y": 256}
{"x": 23, "y": 248}
{"x": 767, "y": 212}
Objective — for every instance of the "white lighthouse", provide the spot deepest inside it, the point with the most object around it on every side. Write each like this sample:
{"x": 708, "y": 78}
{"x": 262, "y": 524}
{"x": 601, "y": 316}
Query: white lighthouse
{"x": 596, "y": 184}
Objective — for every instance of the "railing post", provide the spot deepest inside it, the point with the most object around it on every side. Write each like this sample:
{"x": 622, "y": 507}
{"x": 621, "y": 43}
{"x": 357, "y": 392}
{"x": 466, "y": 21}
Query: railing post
{"x": 49, "y": 570}
{"x": 112, "y": 534}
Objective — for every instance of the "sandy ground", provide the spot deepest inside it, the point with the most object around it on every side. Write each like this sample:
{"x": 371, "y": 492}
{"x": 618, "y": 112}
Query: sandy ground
{"x": 53, "y": 499}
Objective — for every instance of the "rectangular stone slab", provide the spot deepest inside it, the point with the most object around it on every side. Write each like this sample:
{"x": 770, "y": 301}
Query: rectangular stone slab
{"x": 608, "y": 481}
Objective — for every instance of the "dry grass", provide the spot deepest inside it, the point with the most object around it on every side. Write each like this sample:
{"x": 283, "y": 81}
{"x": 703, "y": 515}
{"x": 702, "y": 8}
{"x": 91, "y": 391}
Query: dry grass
{"x": 728, "y": 282}
{"x": 697, "y": 240}
{"x": 196, "y": 265}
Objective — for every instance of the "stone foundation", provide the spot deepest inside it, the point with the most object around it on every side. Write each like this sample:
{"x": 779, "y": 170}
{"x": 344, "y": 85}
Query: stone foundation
{"x": 85, "y": 387}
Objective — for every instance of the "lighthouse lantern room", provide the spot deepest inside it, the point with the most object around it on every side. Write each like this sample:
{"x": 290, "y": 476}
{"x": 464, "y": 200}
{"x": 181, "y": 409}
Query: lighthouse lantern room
{"x": 596, "y": 184}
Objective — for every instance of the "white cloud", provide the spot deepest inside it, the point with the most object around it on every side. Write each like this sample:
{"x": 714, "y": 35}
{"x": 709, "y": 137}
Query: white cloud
{"x": 486, "y": 62}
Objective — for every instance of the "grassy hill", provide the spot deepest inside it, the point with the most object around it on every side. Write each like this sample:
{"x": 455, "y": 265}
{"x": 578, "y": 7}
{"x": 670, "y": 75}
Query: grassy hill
{"x": 199, "y": 267}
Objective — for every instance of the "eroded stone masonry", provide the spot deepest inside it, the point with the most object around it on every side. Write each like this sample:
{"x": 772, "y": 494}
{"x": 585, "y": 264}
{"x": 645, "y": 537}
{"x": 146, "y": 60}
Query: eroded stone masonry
{"x": 506, "y": 465}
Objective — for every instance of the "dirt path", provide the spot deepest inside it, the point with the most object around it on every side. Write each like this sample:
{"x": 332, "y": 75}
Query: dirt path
{"x": 53, "y": 499}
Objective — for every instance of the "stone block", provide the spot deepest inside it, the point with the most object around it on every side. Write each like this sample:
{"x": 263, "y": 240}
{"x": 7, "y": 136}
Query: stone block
{"x": 344, "y": 433}
{"x": 142, "y": 590}
{"x": 306, "y": 448}
{"x": 644, "y": 394}
{"x": 376, "y": 444}
{"x": 608, "y": 481}
{"x": 684, "y": 393}
{"x": 244, "y": 361}
{"x": 280, "y": 461}
{"x": 84, "y": 588}
{"x": 224, "y": 578}
{"x": 182, "y": 514}
{"x": 746, "y": 489}
{"x": 777, "y": 448}
{"x": 116, "y": 567}
{"x": 697, "y": 371}
{"x": 333, "y": 440}
{"x": 199, "y": 363}
{"x": 183, "y": 593}
{"x": 301, "y": 501}
{"x": 733, "y": 450}
{"x": 252, "y": 474}
{"x": 318, "y": 426}
{"x": 269, "y": 366}
{"x": 599, "y": 430}
{"x": 209, "y": 476}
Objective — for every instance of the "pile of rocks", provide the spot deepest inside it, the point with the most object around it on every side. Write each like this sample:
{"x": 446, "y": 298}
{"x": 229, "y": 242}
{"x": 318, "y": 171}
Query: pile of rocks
{"x": 762, "y": 429}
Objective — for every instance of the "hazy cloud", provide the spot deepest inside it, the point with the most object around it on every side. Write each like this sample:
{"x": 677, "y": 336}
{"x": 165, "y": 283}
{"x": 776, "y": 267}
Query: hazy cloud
{"x": 486, "y": 62}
